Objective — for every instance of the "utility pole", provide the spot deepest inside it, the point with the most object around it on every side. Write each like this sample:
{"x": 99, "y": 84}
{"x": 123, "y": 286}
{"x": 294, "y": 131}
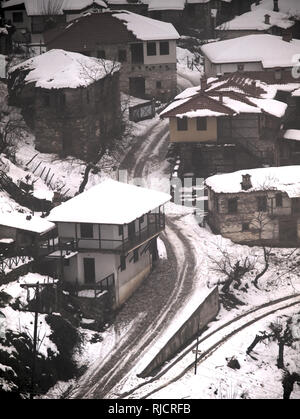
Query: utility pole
{"x": 37, "y": 309}
{"x": 36, "y": 316}
{"x": 197, "y": 346}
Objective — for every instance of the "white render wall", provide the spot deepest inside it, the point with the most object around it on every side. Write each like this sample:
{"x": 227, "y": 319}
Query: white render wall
{"x": 160, "y": 59}
{"x": 212, "y": 69}
{"x": 126, "y": 282}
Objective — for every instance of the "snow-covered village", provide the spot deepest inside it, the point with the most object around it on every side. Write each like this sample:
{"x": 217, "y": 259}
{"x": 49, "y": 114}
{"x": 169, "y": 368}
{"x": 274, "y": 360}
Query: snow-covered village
{"x": 149, "y": 201}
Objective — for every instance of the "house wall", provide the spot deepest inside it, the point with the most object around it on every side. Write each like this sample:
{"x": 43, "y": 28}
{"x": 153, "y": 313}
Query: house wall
{"x": 192, "y": 134}
{"x": 264, "y": 226}
{"x": 212, "y": 69}
{"x": 26, "y": 24}
{"x": 254, "y": 132}
{"x": 106, "y": 264}
{"x": 76, "y": 127}
{"x": 104, "y": 33}
{"x": 22, "y": 238}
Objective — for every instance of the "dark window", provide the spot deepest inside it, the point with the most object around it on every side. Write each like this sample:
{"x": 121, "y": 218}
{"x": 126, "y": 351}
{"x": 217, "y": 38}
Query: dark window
{"x": 245, "y": 227}
{"x": 46, "y": 100}
{"x": 86, "y": 231}
{"x": 137, "y": 53}
{"x": 232, "y": 205}
{"x": 262, "y": 203}
{"x": 101, "y": 54}
{"x": 217, "y": 204}
{"x": 17, "y": 17}
{"x": 278, "y": 200}
{"x": 296, "y": 206}
{"x": 135, "y": 255}
{"x": 164, "y": 48}
{"x": 158, "y": 84}
{"x": 121, "y": 230}
{"x": 122, "y": 55}
{"x": 123, "y": 262}
{"x": 191, "y": 9}
{"x": 142, "y": 219}
{"x": 182, "y": 124}
{"x": 61, "y": 100}
{"x": 201, "y": 124}
{"x": 240, "y": 67}
{"x": 151, "y": 48}
{"x": 66, "y": 262}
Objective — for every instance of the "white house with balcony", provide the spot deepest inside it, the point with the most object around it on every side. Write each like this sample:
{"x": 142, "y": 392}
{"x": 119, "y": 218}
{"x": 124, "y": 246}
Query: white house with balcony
{"x": 107, "y": 237}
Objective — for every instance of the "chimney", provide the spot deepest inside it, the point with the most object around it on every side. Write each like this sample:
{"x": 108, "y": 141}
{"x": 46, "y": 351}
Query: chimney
{"x": 203, "y": 83}
{"x": 221, "y": 97}
{"x": 287, "y": 36}
{"x": 267, "y": 19}
{"x": 275, "y": 8}
{"x": 246, "y": 182}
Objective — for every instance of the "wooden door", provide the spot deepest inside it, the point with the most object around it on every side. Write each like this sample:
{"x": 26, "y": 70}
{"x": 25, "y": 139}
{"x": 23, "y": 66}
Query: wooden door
{"x": 89, "y": 270}
{"x": 288, "y": 230}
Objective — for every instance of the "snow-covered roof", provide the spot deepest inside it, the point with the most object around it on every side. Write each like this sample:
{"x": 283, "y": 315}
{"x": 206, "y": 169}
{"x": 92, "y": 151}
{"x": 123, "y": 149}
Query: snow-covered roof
{"x": 292, "y": 134}
{"x": 145, "y": 28}
{"x": 110, "y": 202}
{"x": 37, "y": 7}
{"x": 82, "y": 4}
{"x": 54, "y": 7}
{"x": 290, "y": 7}
{"x": 58, "y": 69}
{"x": 231, "y": 95}
{"x": 166, "y": 5}
{"x": 19, "y": 221}
{"x": 255, "y": 20}
{"x": 270, "y": 50}
{"x": 283, "y": 179}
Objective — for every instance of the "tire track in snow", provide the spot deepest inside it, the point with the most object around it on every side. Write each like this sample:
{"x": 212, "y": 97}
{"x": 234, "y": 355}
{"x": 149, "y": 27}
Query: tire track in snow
{"x": 209, "y": 351}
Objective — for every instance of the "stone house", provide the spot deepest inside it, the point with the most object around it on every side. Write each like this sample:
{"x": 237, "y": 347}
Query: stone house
{"x": 70, "y": 101}
{"x": 257, "y": 21}
{"x": 31, "y": 17}
{"x": 258, "y": 206}
{"x": 145, "y": 47}
{"x": 110, "y": 233}
{"x": 234, "y": 115}
{"x": 250, "y": 53}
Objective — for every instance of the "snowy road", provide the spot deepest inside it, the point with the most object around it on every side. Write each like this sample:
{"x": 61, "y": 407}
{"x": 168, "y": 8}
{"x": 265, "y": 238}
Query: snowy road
{"x": 156, "y": 302}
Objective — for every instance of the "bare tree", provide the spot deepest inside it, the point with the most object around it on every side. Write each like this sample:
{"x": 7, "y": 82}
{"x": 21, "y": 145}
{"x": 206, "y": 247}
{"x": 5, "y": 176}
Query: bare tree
{"x": 232, "y": 269}
{"x": 111, "y": 134}
{"x": 12, "y": 129}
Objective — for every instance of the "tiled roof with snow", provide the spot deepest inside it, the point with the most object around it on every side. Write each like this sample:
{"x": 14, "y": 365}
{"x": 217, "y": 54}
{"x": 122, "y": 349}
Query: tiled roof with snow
{"x": 82, "y": 4}
{"x": 231, "y": 95}
{"x": 19, "y": 221}
{"x": 255, "y": 20}
{"x": 145, "y": 28}
{"x": 58, "y": 69}
{"x": 270, "y": 50}
{"x": 110, "y": 202}
{"x": 283, "y": 179}
{"x": 54, "y": 7}
{"x": 290, "y": 7}
{"x": 166, "y": 5}
{"x": 292, "y": 134}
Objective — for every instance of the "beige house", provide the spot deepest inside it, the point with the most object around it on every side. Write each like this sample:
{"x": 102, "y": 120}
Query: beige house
{"x": 233, "y": 109}
{"x": 258, "y": 206}
{"x": 107, "y": 237}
